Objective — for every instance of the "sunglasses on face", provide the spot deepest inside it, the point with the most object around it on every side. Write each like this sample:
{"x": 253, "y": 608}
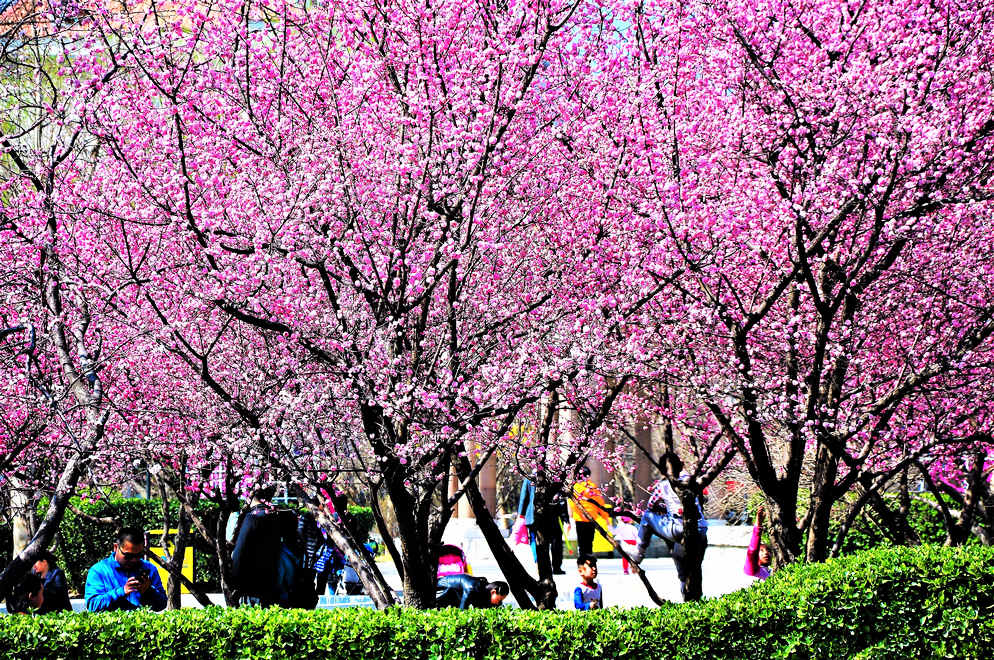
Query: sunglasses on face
{"x": 131, "y": 556}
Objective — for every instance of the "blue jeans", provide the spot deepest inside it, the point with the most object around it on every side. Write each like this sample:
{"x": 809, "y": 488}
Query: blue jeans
{"x": 686, "y": 547}
{"x": 667, "y": 527}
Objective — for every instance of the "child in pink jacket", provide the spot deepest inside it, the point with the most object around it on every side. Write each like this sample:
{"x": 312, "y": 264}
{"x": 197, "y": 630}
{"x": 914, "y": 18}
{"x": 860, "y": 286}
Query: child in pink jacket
{"x": 758, "y": 554}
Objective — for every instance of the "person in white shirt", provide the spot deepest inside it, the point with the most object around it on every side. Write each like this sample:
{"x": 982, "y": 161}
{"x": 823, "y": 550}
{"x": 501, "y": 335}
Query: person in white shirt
{"x": 627, "y": 533}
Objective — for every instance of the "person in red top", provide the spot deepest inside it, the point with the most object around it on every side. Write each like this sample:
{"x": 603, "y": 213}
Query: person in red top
{"x": 758, "y": 554}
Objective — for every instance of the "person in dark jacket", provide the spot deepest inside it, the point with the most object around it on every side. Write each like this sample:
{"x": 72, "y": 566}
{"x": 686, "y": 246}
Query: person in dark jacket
{"x": 295, "y": 583}
{"x": 464, "y": 591}
{"x": 54, "y": 582}
{"x": 544, "y": 528}
{"x": 311, "y": 543}
{"x": 27, "y": 596}
{"x": 256, "y": 555}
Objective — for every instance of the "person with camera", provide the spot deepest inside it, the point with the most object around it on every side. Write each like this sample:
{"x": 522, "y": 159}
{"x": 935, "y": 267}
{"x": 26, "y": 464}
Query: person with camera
{"x": 125, "y": 581}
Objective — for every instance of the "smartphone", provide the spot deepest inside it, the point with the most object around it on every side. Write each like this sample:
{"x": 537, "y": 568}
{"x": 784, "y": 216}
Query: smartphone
{"x": 143, "y": 574}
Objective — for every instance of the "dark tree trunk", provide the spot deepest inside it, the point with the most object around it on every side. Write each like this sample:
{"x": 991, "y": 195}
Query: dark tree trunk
{"x": 971, "y": 501}
{"x": 175, "y": 570}
{"x": 381, "y": 526}
{"x": 821, "y": 502}
{"x": 172, "y": 586}
{"x": 546, "y": 527}
{"x": 948, "y": 520}
{"x": 214, "y": 535}
{"x": 223, "y": 556}
{"x": 343, "y": 535}
{"x": 180, "y": 542}
{"x": 894, "y": 524}
{"x": 526, "y": 589}
{"x": 985, "y": 519}
{"x": 415, "y": 546}
{"x": 694, "y": 542}
{"x": 420, "y": 575}
{"x": 785, "y": 536}
{"x": 21, "y": 563}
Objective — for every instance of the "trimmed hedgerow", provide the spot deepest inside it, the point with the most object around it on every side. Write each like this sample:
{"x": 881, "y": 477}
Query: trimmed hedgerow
{"x": 884, "y": 603}
{"x": 923, "y": 517}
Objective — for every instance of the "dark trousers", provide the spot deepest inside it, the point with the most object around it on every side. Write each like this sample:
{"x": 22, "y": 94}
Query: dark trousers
{"x": 323, "y": 578}
{"x": 688, "y": 555}
{"x": 547, "y": 542}
{"x": 584, "y": 537}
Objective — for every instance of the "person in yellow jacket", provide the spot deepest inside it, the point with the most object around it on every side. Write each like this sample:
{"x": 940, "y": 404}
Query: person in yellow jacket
{"x": 587, "y": 506}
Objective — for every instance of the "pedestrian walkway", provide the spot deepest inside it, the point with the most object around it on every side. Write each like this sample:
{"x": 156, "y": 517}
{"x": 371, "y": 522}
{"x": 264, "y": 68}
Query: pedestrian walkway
{"x": 722, "y": 574}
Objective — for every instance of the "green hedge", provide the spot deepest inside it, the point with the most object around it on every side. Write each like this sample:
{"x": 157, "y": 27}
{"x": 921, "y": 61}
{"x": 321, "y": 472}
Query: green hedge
{"x": 885, "y": 603}
{"x": 82, "y": 543}
{"x": 924, "y": 518}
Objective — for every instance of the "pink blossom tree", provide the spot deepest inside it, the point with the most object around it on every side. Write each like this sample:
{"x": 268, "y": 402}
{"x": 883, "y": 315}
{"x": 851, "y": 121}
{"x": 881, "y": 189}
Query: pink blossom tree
{"x": 372, "y": 238}
{"x": 359, "y": 227}
{"x": 56, "y": 399}
{"x": 815, "y": 179}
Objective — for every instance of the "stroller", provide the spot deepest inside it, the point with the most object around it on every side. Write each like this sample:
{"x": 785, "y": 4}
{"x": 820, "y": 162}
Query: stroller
{"x": 452, "y": 561}
{"x": 345, "y": 580}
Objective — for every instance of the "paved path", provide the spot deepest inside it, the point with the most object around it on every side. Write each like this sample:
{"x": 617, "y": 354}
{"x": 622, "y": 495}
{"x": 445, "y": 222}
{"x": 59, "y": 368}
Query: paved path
{"x": 722, "y": 574}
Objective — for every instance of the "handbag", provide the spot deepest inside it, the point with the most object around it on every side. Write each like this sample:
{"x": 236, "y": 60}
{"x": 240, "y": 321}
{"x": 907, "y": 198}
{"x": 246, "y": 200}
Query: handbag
{"x": 520, "y": 531}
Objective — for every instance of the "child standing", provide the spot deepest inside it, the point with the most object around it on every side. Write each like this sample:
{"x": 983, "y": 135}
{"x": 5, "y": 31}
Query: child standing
{"x": 588, "y": 595}
{"x": 627, "y": 533}
{"x": 758, "y": 555}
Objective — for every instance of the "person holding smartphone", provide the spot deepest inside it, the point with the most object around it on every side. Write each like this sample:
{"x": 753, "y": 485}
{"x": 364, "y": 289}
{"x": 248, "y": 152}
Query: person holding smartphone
{"x": 125, "y": 580}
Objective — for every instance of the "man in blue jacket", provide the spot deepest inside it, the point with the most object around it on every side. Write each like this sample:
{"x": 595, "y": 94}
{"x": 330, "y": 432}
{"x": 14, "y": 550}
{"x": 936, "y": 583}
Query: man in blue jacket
{"x": 125, "y": 581}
